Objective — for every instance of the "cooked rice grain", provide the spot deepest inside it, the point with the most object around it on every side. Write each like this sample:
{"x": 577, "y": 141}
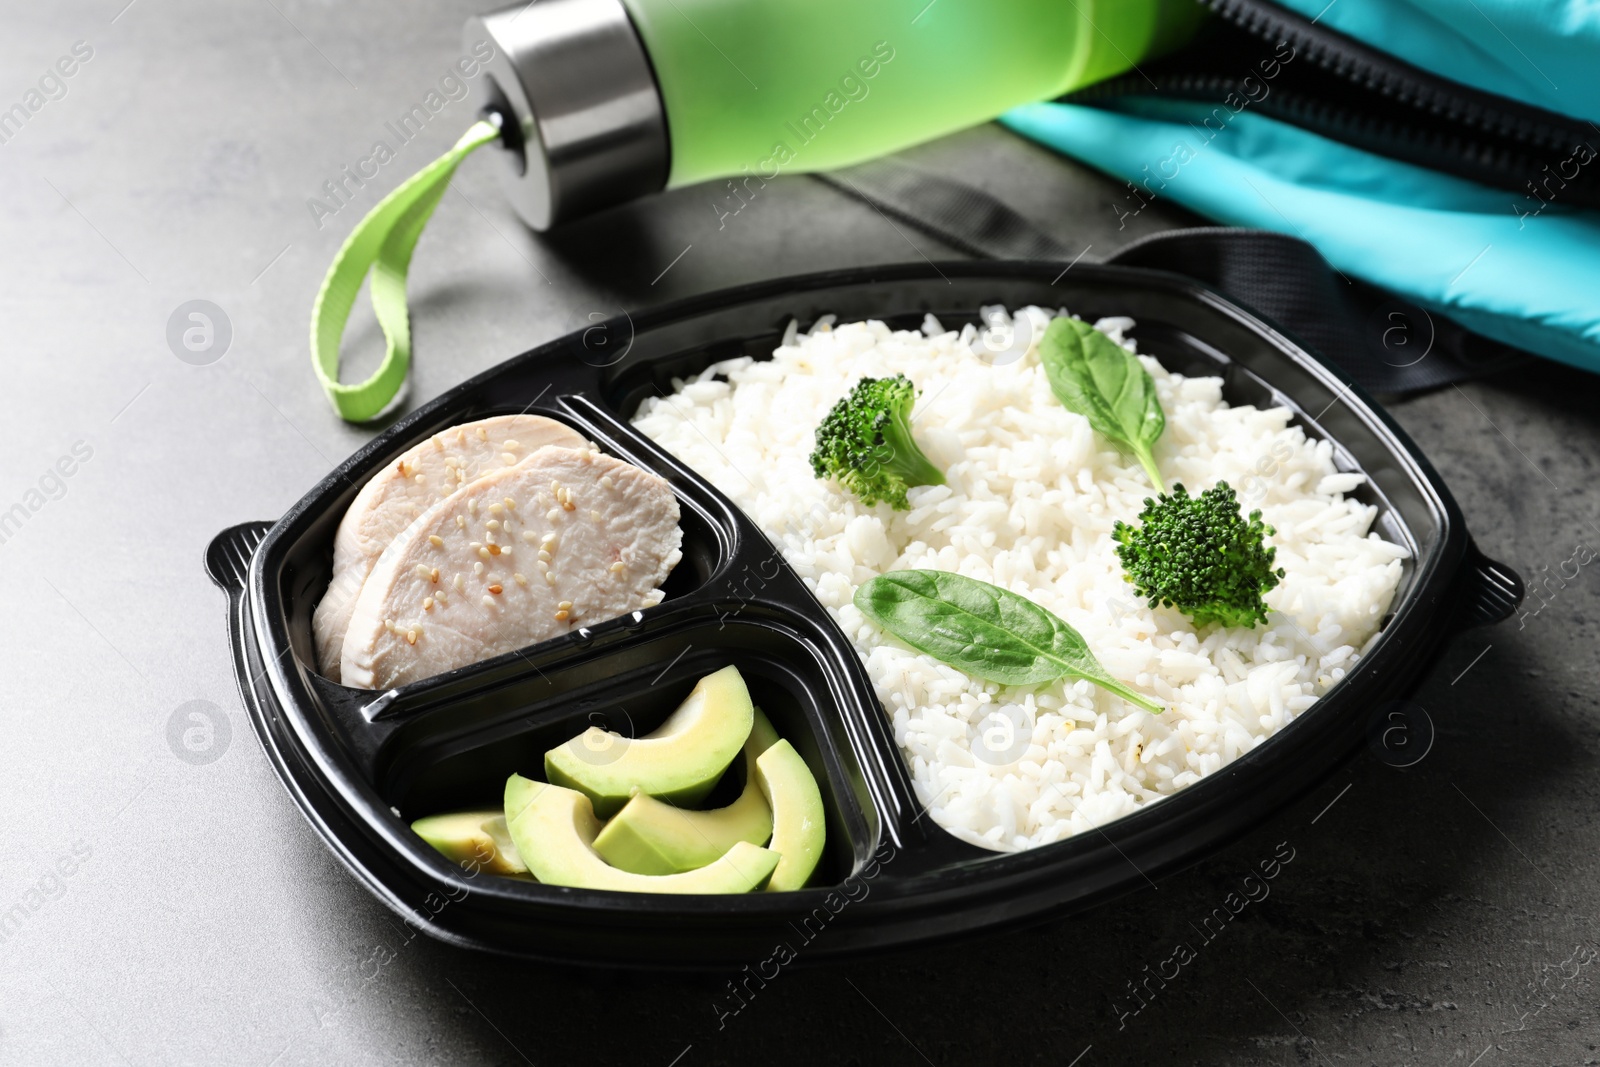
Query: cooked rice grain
{"x": 1030, "y": 504}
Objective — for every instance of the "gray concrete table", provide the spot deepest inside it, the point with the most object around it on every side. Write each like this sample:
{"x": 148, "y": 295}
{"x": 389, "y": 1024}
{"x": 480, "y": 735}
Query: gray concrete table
{"x": 164, "y": 906}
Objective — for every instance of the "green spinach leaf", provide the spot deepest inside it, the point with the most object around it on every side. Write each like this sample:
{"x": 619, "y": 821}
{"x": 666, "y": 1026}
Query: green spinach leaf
{"x": 988, "y": 632}
{"x": 1099, "y": 379}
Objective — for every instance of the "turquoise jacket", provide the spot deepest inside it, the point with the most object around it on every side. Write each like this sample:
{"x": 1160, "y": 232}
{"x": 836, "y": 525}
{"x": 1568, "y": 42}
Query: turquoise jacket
{"x": 1518, "y": 267}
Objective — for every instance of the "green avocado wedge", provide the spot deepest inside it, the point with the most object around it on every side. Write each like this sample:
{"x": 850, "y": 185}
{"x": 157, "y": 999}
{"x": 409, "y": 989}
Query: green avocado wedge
{"x": 762, "y": 735}
{"x": 475, "y": 839}
{"x": 678, "y": 762}
{"x": 799, "y": 826}
{"x": 649, "y": 836}
{"x": 554, "y": 829}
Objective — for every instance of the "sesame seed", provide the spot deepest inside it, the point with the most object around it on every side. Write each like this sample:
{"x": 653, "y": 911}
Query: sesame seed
{"x": 565, "y": 605}
{"x": 427, "y": 603}
{"x": 493, "y": 524}
{"x": 508, "y": 458}
{"x": 433, "y": 575}
{"x": 461, "y": 435}
{"x": 461, "y": 521}
{"x": 561, "y": 616}
{"x": 494, "y": 550}
{"x": 549, "y": 538}
{"x": 421, "y": 570}
{"x": 483, "y": 435}
{"x": 488, "y": 601}
{"x": 617, "y": 567}
{"x": 606, "y": 482}
{"x": 411, "y": 637}
{"x": 528, "y": 536}
{"x": 472, "y": 507}
{"x": 477, "y": 568}
{"x": 512, "y": 445}
{"x": 594, "y": 516}
{"x": 483, "y": 551}
{"x": 474, "y": 544}
{"x": 544, "y": 556}
{"x": 388, "y": 624}
{"x": 435, "y": 540}
{"x": 550, "y": 577}
{"x": 456, "y": 583}
{"x": 496, "y": 588}
{"x": 461, "y": 475}
{"x": 512, "y": 504}
{"x": 553, "y": 514}
{"x": 519, "y": 579}
{"x": 420, "y": 480}
{"x": 569, "y": 506}
{"x": 438, "y": 444}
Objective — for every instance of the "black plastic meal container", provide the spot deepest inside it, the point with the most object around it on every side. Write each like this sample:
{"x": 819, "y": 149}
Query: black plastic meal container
{"x": 362, "y": 765}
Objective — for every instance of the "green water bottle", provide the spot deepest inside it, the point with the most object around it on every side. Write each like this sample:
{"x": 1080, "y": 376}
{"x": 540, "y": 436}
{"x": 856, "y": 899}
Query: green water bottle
{"x": 601, "y": 101}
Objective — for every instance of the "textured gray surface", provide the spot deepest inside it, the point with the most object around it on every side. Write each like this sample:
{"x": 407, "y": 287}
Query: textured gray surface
{"x": 1437, "y": 915}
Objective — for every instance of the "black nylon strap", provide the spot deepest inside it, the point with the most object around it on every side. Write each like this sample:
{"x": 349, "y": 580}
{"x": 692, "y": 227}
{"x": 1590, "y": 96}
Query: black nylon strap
{"x": 1382, "y": 341}
{"x": 954, "y": 212}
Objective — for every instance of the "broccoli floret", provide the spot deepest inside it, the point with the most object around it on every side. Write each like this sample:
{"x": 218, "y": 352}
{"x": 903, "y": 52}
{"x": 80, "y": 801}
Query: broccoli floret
{"x": 865, "y": 443}
{"x": 1201, "y": 556}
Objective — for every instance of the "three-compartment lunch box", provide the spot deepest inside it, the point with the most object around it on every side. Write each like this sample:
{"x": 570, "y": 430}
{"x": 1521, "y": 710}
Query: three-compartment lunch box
{"x": 362, "y": 765}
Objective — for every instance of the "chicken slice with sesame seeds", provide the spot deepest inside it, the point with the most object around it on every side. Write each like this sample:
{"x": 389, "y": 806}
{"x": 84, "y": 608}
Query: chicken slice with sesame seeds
{"x": 510, "y": 597}
{"x": 415, "y": 481}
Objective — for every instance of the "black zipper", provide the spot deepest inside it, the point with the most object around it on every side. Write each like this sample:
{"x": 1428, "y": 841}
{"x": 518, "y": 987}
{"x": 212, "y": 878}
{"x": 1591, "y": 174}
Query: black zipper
{"x": 1337, "y": 87}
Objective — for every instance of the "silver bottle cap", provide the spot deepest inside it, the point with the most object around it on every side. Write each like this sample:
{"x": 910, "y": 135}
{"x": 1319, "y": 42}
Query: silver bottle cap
{"x": 582, "y": 119}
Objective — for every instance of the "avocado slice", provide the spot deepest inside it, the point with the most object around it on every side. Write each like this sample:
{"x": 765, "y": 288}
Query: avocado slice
{"x": 477, "y": 838}
{"x": 798, "y": 824}
{"x": 762, "y": 735}
{"x": 554, "y": 830}
{"x": 678, "y": 762}
{"x": 649, "y": 836}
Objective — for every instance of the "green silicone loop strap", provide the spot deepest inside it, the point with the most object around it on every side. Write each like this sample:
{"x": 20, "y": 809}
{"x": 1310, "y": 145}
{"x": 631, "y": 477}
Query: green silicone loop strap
{"x": 383, "y": 242}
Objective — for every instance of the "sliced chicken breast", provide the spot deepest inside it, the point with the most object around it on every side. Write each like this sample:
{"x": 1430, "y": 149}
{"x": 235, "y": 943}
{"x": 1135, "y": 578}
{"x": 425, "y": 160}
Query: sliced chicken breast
{"x": 397, "y": 495}
{"x": 568, "y": 538}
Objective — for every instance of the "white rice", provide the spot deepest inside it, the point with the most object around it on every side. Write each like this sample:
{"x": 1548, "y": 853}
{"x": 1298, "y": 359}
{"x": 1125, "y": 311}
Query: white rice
{"x": 1030, "y": 504}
